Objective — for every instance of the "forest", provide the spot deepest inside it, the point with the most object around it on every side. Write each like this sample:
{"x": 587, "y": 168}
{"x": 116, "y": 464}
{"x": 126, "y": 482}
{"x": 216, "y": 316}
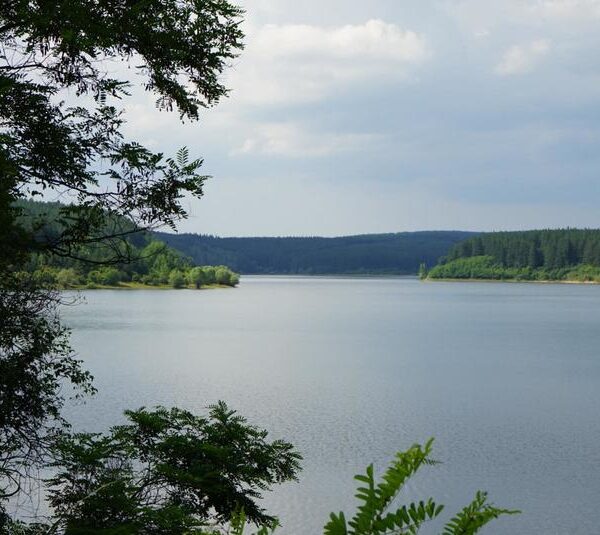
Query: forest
{"x": 394, "y": 253}
{"x": 141, "y": 259}
{"x": 536, "y": 255}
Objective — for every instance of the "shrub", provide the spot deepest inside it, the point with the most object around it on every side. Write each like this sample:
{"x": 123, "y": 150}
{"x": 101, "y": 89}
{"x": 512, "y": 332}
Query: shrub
{"x": 67, "y": 278}
{"x": 209, "y": 275}
{"x": 106, "y": 276}
{"x": 176, "y": 279}
{"x": 44, "y": 276}
{"x": 195, "y": 277}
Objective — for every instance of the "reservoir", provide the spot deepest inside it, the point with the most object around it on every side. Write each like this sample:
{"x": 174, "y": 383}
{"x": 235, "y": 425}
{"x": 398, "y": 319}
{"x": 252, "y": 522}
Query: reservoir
{"x": 506, "y": 377}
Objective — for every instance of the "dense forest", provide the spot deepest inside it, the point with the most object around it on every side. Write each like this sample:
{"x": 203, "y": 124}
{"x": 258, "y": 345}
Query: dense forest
{"x": 565, "y": 254}
{"x": 399, "y": 253}
{"x": 143, "y": 260}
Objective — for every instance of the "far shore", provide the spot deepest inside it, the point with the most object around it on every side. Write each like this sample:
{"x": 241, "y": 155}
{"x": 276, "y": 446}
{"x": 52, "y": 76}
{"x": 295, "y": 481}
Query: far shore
{"x": 514, "y": 281}
{"x": 140, "y": 286}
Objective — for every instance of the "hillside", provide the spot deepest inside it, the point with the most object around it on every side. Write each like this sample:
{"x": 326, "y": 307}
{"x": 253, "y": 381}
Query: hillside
{"x": 138, "y": 259}
{"x": 542, "y": 255}
{"x": 399, "y": 253}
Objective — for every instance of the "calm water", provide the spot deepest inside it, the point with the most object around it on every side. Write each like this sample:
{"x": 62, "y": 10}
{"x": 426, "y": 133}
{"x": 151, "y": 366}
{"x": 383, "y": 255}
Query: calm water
{"x": 505, "y": 376}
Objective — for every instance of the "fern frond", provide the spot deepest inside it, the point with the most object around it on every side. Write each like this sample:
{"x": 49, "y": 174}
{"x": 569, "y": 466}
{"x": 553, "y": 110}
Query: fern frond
{"x": 336, "y": 525}
{"x": 474, "y": 516}
{"x": 374, "y": 518}
{"x": 183, "y": 157}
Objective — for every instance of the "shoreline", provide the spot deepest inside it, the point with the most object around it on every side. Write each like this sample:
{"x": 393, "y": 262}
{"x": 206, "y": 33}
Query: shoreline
{"x": 139, "y": 286}
{"x": 514, "y": 281}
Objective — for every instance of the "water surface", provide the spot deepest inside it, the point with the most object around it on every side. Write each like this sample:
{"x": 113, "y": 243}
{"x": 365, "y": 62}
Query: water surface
{"x": 506, "y": 377}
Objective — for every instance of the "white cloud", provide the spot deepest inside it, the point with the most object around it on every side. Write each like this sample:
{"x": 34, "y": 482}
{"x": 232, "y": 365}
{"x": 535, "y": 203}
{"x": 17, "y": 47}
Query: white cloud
{"x": 374, "y": 40}
{"x": 520, "y": 59}
{"x": 304, "y": 63}
{"x": 290, "y": 140}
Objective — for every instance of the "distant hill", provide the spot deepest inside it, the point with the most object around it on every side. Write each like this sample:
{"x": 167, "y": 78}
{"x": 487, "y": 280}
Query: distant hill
{"x": 399, "y": 253}
{"x": 562, "y": 254}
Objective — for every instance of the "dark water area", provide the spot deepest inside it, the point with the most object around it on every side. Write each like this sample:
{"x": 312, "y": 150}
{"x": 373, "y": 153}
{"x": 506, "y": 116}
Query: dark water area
{"x": 506, "y": 377}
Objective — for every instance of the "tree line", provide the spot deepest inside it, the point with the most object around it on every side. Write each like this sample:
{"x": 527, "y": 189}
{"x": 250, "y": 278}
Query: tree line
{"x": 156, "y": 264}
{"x": 394, "y": 253}
{"x": 141, "y": 258}
{"x": 563, "y": 254}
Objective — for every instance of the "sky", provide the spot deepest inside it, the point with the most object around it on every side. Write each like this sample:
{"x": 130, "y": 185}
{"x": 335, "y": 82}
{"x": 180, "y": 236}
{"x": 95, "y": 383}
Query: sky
{"x": 350, "y": 117}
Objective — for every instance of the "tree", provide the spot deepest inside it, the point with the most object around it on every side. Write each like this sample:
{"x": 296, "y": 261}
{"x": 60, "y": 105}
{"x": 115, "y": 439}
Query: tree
{"x": 167, "y": 471}
{"x": 108, "y": 276}
{"x": 176, "y": 279}
{"x": 115, "y": 187}
{"x": 195, "y": 277}
{"x": 222, "y": 275}
{"x": 209, "y": 275}
{"x": 67, "y": 278}
{"x": 234, "y": 279}
{"x": 35, "y": 362}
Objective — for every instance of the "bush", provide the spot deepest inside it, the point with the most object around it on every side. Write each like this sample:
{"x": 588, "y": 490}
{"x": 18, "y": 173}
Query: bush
{"x": 68, "y": 278}
{"x": 176, "y": 279}
{"x": 195, "y": 277}
{"x": 222, "y": 275}
{"x": 44, "y": 276}
{"x": 209, "y": 275}
{"x": 106, "y": 276}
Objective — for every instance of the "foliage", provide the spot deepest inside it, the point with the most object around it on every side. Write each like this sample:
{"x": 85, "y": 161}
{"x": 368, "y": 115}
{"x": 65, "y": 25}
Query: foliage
{"x": 179, "y": 48}
{"x": 196, "y": 277}
{"x": 35, "y": 363}
{"x": 167, "y": 471}
{"x": 535, "y": 249}
{"x": 149, "y": 261}
{"x": 176, "y": 279}
{"x": 486, "y": 267}
{"x": 400, "y": 253}
{"x": 374, "y": 517}
{"x": 108, "y": 276}
{"x": 112, "y": 187}
{"x": 67, "y": 278}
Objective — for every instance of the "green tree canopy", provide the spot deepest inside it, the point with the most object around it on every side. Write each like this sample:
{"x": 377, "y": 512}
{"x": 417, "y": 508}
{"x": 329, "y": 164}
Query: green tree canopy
{"x": 113, "y": 186}
{"x": 168, "y": 471}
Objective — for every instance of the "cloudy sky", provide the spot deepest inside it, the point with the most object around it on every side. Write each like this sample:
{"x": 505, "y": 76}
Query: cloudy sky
{"x": 353, "y": 117}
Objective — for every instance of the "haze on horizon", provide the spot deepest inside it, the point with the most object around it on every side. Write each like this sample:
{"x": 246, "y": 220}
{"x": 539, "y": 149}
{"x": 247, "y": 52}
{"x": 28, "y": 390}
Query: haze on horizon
{"x": 351, "y": 117}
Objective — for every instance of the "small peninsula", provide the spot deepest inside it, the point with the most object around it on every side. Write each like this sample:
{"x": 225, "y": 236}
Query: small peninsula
{"x": 138, "y": 259}
{"x": 564, "y": 255}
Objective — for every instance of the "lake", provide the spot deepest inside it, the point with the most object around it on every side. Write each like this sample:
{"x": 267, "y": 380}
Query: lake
{"x": 506, "y": 377}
